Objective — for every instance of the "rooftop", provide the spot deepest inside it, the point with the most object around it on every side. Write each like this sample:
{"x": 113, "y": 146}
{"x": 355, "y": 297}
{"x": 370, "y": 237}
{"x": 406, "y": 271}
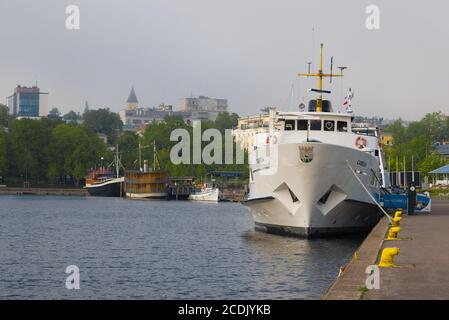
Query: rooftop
{"x": 132, "y": 98}
{"x": 441, "y": 170}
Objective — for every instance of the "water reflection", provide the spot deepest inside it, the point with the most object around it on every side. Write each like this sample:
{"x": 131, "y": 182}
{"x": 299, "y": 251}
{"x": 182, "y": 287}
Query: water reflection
{"x": 300, "y": 265}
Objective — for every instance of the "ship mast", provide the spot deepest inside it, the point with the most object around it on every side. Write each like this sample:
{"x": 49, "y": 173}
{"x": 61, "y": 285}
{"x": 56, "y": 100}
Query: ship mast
{"x": 320, "y": 75}
{"x": 116, "y": 161}
{"x": 154, "y": 155}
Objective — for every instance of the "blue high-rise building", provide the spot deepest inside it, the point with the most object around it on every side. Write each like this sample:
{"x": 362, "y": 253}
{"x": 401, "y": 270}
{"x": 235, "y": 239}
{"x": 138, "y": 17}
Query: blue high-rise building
{"x": 27, "y": 102}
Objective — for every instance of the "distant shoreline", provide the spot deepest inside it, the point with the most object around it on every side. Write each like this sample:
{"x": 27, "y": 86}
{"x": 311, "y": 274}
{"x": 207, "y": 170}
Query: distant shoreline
{"x": 42, "y": 191}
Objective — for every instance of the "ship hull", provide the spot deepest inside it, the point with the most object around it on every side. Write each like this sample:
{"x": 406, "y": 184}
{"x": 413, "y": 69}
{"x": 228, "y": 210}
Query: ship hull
{"x": 211, "y": 196}
{"x": 110, "y": 188}
{"x": 317, "y": 198}
{"x": 151, "y": 195}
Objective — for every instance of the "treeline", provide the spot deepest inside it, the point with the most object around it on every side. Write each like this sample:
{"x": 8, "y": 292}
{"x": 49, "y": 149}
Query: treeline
{"x": 160, "y": 134}
{"x": 59, "y": 149}
{"x": 417, "y": 141}
{"x": 48, "y": 151}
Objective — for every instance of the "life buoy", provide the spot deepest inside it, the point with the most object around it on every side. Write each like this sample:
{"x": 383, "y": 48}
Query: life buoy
{"x": 360, "y": 142}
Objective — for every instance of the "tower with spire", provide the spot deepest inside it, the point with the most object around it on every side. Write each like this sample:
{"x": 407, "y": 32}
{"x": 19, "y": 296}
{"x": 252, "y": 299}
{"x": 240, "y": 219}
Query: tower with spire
{"x": 132, "y": 102}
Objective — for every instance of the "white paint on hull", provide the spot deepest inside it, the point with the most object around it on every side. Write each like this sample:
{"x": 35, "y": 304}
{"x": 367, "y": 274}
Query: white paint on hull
{"x": 212, "y": 195}
{"x": 104, "y": 183}
{"x": 347, "y": 206}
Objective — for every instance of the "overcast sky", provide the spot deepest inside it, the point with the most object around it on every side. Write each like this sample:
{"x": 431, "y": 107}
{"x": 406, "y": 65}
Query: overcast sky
{"x": 247, "y": 51}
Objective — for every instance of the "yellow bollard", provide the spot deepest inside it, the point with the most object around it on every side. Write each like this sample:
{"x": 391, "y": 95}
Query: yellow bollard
{"x": 386, "y": 259}
{"x": 393, "y": 233}
{"x": 396, "y": 221}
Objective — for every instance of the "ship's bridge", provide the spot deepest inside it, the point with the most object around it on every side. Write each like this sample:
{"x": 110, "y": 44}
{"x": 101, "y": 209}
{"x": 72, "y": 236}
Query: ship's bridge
{"x": 313, "y": 121}
{"x": 325, "y": 127}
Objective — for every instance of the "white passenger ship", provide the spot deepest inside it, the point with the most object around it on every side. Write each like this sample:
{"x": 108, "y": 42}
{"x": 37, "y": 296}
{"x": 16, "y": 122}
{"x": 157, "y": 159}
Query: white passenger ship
{"x": 312, "y": 173}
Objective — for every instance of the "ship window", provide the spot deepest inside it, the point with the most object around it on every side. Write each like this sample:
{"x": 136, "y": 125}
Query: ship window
{"x": 302, "y": 125}
{"x": 329, "y": 125}
{"x": 342, "y": 126}
{"x": 315, "y": 125}
{"x": 289, "y": 125}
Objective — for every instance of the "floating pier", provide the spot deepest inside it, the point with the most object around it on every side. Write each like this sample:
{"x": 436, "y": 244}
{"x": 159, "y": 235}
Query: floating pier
{"x": 416, "y": 270}
{"x": 179, "y": 188}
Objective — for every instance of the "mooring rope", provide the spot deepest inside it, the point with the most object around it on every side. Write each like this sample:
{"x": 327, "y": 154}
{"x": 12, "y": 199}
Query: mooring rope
{"x": 367, "y": 191}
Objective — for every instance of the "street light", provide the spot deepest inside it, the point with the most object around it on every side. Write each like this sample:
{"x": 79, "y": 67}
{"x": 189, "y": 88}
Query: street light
{"x": 101, "y": 165}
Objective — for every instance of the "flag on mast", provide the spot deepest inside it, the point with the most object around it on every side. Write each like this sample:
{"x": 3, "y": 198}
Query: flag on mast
{"x": 347, "y": 103}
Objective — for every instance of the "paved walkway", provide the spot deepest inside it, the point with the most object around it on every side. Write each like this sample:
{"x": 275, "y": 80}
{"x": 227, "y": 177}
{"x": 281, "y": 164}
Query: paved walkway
{"x": 428, "y": 251}
{"x": 425, "y": 260}
{"x": 348, "y": 285}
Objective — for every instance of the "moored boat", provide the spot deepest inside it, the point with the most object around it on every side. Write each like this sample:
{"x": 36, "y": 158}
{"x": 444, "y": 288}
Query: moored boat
{"x": 103, "y": 182}
{"x": 312, "y": 173}
{"x": 104, "y": 185}
{"x": 206, "y": 193}
{"x": 147, "y": 184}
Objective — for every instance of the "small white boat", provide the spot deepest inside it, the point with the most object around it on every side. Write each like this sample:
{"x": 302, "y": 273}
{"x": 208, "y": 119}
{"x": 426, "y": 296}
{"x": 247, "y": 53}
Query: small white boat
{"x": 206, "y": 193}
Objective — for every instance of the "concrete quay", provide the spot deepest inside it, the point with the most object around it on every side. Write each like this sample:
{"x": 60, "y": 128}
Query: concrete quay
{"x": 42, "y": 191}
{"x": 422, "y": 263}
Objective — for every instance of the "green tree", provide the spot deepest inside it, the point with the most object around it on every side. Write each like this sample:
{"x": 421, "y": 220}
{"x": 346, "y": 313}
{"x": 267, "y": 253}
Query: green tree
{"x": 26, "y": 152}
{"x": 417, "y": 141}
{"x": 3, "y": 163}
{"x": 103, "y": 121}
{"x": 434, "y": 125}
{"x": 74, "y": 149}
{"x": 5, "y": 118}
{"x": 226, "y": 120}
{"x": 128, "y": 144}
{"x": 54, "y": 113}
{"x": 160, "y": 133}
{"x": 431, "y": 162}
{"x": 71, "y": 116}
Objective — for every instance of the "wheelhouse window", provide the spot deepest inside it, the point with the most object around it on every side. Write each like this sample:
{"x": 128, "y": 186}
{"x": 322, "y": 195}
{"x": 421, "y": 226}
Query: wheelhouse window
{"x": 315, "y": 125}
{"x": 289, "y": 125}
{"x": 302, "y": 125}
{"x": 329, "y": 125}
{"x": 342, "y": 126}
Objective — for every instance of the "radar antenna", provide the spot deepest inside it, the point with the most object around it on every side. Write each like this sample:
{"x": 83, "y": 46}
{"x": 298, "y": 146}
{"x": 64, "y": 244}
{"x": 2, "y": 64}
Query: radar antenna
{"x": 320, "y": 75}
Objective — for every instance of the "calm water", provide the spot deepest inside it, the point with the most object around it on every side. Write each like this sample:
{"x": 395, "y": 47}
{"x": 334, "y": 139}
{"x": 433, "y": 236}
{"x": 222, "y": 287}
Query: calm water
{"x": 155, "y": 250}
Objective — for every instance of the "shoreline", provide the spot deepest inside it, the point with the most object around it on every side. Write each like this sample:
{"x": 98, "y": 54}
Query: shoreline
{"x": 18, "y": 191}
{"x": 348, "y": 285}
